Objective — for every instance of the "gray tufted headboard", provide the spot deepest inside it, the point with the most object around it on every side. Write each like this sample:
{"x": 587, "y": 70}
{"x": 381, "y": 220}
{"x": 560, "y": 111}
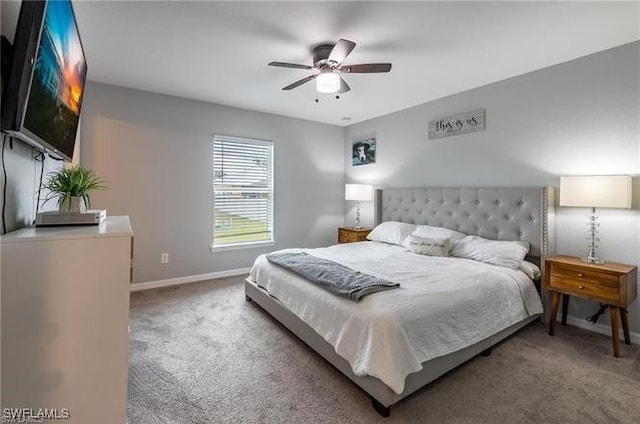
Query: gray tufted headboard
{"x": 499, "y": 213}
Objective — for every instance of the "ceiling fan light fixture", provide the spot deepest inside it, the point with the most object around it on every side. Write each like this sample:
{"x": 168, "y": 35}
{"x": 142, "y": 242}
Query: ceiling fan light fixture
{"x": 327, "y": 59}
{"x": 328, "y": 82}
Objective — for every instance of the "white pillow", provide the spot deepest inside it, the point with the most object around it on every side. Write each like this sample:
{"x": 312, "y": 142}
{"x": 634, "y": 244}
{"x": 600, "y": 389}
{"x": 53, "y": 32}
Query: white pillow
{"x": 427, "y": 231}
{"x": 497, "y": 252}
{"x": 391, "y": 232}
{"x": 428, "y": 246}
{"x": 530, "y": 269}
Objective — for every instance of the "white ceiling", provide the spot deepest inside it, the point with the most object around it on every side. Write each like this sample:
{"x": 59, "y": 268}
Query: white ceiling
{"x": 218, "y": 51}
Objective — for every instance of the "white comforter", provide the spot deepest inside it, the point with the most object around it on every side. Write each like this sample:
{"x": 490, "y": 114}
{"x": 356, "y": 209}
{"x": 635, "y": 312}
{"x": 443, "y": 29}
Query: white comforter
{"x": 443, "y": 305}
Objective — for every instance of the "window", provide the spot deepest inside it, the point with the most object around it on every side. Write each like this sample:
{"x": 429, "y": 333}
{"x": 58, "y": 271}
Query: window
{"x": 242, "y": 191}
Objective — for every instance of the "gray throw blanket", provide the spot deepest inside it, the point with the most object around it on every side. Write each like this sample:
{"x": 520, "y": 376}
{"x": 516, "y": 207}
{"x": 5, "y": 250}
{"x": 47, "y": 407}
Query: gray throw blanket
{"x": 336, "y": 278}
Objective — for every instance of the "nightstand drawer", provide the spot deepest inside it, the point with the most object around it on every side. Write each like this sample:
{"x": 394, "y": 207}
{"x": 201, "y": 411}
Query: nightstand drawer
{"x": 350, "y": 235}
{"x": 587, "y": 276}
{"x": 585, "y": 288}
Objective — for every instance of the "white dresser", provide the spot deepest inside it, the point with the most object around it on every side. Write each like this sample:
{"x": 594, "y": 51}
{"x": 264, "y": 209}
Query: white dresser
{"x": 65, "y": 314}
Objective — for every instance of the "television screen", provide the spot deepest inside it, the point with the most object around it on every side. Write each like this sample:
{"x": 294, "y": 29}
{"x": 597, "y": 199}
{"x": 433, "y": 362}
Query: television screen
{"x": 47, "y": 105}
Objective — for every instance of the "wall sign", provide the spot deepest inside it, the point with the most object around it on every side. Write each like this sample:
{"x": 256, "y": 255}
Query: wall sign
{"x": 457, "y": 124}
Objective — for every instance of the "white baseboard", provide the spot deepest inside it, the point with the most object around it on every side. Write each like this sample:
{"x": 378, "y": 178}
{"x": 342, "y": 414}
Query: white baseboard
{"x": 598, "y": 328}
{"x": 188, "y": 279}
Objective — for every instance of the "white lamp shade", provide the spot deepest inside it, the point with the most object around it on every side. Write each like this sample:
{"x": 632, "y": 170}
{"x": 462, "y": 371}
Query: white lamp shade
{"x": 328, "y": 82}
{"x": 597, "y": 191}
{"x": 361, "y": 192}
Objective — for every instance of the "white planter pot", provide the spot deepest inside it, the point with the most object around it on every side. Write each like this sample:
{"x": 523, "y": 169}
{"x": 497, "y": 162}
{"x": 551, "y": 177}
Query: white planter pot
{"x": 72, "y": 205}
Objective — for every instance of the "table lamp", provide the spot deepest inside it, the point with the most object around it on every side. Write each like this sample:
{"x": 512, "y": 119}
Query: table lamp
{"x": 359, "y": 193}
{"x": 597, "y": 191}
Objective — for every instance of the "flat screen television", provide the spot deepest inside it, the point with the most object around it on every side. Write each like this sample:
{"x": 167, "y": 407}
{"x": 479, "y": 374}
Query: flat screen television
{"x": 43, "y": 96}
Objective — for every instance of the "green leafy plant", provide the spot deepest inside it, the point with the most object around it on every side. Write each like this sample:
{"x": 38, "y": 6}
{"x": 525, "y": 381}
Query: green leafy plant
{"x": 74, "y": 181}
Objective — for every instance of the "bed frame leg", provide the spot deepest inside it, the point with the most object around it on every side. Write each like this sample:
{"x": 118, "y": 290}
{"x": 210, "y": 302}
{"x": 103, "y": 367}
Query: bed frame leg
{"x": 247, "y": 298}
{"x": 385, "y": 411}
{"x": 486, "y": 352}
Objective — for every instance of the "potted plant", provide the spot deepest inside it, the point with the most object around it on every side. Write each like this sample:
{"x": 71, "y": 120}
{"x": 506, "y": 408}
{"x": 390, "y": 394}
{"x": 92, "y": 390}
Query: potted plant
{"x": 71, "y": 187}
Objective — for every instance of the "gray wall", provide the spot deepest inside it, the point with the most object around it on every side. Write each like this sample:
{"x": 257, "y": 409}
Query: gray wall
{"x": 23, "y": 176}
{"x": 580, "y": 117}
{"x": 156, "y": 153}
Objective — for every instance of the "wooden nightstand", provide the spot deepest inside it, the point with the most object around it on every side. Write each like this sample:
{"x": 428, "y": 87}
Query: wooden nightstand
{"x": 349, "y": 235}
{"x": 610, "y": 283}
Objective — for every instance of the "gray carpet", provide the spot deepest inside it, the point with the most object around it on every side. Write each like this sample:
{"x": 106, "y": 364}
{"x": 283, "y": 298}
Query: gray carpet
{"x": 201, "y": 354}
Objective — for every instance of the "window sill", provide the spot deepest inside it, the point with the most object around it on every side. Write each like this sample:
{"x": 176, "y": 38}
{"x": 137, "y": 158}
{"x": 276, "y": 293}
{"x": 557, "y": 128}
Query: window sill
{"x": 242, "y": 246}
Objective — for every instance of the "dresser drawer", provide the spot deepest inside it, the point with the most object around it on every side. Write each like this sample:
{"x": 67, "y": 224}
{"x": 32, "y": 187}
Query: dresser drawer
{"x": 584, "y": 275}
{"x": 585, "y": 288}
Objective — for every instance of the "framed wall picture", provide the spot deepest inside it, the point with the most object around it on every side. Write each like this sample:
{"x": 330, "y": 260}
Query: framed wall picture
{"x": 364, "y": 152}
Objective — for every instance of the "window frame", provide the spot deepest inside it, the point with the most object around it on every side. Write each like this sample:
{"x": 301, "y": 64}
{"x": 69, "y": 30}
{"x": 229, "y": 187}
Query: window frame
{"x": 271, "y": 204}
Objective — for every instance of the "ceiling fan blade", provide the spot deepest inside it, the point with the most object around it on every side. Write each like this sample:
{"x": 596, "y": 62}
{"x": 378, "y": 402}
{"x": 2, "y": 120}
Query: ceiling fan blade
{"x": 340, "y": 51}
{"x": 290, "y": 65}
{"x": 366, "y": 68}
{"x": 300, "y": 82}
{"x": 344, "y": 87}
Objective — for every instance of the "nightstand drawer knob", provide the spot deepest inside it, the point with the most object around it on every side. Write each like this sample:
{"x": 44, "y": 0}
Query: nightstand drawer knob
{"x": 580, "y": 275}
{"x": 581, "y": 287}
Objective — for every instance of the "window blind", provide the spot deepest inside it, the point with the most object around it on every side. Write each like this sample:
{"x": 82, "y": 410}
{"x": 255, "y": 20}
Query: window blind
{"x": 242, "y": 191}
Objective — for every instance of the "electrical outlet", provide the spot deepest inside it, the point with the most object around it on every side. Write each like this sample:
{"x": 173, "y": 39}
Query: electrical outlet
{"x": 164, "y": 258}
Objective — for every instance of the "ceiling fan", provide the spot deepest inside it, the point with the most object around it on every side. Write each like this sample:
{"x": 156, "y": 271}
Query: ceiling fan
{"x": 328, "y": 58}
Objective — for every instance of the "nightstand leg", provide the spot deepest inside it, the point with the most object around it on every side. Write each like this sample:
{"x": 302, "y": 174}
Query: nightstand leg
{"x": 625, "y": 325}
{"x": 555, "y": 299}
{"x": 614, "y": 330}
{"x": 565, "y": 308}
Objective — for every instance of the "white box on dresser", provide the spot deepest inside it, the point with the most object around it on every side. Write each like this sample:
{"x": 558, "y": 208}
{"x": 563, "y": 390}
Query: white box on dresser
{"x": 65, "y": 315}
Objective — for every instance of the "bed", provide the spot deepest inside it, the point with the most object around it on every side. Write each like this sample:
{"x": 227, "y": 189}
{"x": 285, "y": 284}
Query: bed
{"x": 382, "y": 343}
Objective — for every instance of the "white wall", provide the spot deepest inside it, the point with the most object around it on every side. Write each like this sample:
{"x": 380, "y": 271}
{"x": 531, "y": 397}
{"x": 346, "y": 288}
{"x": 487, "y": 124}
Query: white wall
{"x": 156, "y": 153}
{"x": 580, "y": 117}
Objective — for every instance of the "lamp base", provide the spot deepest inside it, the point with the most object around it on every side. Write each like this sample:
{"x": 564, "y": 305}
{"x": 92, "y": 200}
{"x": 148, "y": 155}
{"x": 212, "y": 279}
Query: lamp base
{"x": 592, "y": 237}
{"x": 356, "y": 225}
{"x": 592, "y": 260}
